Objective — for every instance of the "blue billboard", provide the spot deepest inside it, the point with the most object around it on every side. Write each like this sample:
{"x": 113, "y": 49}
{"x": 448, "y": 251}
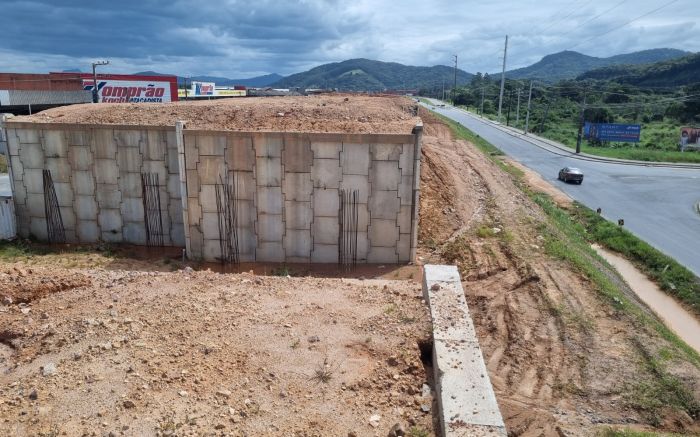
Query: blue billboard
{"x": 627, "y": 133}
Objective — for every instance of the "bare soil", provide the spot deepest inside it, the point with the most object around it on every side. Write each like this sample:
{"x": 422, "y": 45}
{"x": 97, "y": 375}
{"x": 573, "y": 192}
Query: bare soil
{"x": 563, "y": 361}
{"x": 323, "y": 113}
{"x": 202, "y": 353}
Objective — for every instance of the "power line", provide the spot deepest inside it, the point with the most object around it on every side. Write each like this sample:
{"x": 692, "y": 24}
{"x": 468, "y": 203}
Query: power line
{"x": 576, "y": 9}
{"x": 626, "y": 23}
{"x": 596, "y": 17}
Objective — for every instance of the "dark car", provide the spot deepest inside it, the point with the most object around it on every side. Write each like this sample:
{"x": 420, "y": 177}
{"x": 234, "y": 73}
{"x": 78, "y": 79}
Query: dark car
{"x": 571, "y": 174}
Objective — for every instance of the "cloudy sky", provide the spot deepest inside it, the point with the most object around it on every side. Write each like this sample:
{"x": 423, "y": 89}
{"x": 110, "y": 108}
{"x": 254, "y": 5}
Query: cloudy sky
{"x": 244, "y": 38}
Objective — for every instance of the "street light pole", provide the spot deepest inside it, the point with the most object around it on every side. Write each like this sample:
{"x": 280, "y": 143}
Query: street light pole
{"x": 95, "y": 95}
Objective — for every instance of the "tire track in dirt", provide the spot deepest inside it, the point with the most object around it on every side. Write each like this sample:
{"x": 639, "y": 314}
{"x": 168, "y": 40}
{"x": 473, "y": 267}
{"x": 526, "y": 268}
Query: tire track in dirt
{"x": 560, "y": 358}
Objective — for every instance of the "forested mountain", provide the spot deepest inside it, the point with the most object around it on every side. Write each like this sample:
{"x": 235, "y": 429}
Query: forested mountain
{"x": 570, "y": 64}
{"x": 369, "y": 75}
{"x": 682, "y": 71}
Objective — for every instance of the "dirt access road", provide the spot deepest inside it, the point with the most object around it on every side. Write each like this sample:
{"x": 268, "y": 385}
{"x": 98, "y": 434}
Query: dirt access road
{"x": 92, "y": 351}
{"x": 563, "y": 359}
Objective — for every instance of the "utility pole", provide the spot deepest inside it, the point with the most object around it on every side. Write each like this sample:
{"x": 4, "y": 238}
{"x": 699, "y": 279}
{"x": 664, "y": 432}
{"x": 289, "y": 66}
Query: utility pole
{"x": 517, "y": 110}
{"x": 529, "y": 101}
{"x": 454, "y": 90}
{"x": 443, "y": 89}
{"x": 503, "y": 79}
{"x": 510, "y": 103}
{"x": 580, "y": 124}
{"x": 482, "y": 100}
{"x": 95, "y": 95}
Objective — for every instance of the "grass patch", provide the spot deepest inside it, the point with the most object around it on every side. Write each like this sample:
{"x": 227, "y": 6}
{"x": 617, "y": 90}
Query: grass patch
{"x": 663, "y": 390}
{"x": 3, "y": 163}
{"x": 567, "y": 238}
{"x": 610, "y": 432}
{"x": 19, "y": 249}
{"x": 283, "y": 270}
{"x": 671, "y": 276}
{"x": 568, "y": 241}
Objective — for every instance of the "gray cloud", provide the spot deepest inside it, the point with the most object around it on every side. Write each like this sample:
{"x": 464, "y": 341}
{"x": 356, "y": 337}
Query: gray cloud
{"x": 245, "y": 37}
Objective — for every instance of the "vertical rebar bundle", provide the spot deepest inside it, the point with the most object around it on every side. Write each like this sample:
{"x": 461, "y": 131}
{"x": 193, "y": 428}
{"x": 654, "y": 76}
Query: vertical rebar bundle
{"x": 54, "y": 222}
{"x": 152, "y": 214}
{"x": 227, "y": 208}
{"x": 348, "y": 219}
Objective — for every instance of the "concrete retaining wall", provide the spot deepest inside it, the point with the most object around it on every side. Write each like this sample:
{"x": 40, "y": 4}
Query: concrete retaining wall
{"x": 96, "y": 172}
{"x": 288, "y": 195}
{"x": 466, "y": 399}
{"x": 289, "y": 189}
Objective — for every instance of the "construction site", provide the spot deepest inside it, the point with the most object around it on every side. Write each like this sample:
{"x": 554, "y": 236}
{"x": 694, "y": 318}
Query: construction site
{"x": 331, "y": 265}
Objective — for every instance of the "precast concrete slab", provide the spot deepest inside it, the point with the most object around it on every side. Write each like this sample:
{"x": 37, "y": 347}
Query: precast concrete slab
{"x": 466, "y": 400}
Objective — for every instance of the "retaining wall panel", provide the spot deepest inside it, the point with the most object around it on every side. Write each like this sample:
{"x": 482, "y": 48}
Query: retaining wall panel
{"x": 268, "y": 145}
{"x": 32, "y": 155}
{"x": 270, "y": 227}
{"x": 384, "y": 205}
{"x": 326, "y": 203}
{"x": 385, "y": 152}
{"x": 130, "y": 185}
{"x": 269, "y": 252}
{"x": 37, "y": 228}
{"x": 87, "y": 231}
{"x": 385, "y": 175}
{"x": 59, "y": 168}
{"x": 297, "y": 244}
{"x": 325, "y": 253}
{"x": 240, "y": 154}
{"x": 134, "y": 233}
{"x": 297, "y": 187}
{"x": 383, "y": 233}
{"x": 326, "y": 173}
{"x": 298, "y": 215}
{"x": 326, "y": 149}
{"x": 106, "y": 171}
{"x": 80, "y": 158}
{"x": 55, "y": 144}
{"x": 297, "y": 155}
{"x": 325, "y": 230}
{"x": 355, "y": 159}
{"x": 269, "y": 200}
{"x": 132, "y": 210}
{"x": 268, "y": 172}
{"x": 64, "y": 193}
{"x": 103, "y": 145}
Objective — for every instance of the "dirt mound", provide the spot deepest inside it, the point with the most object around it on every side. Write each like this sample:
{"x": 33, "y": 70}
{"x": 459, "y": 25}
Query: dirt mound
{"x": 326, "y": 113}
{"x": 20, "y": 285}
{"x": 561, "y": 358}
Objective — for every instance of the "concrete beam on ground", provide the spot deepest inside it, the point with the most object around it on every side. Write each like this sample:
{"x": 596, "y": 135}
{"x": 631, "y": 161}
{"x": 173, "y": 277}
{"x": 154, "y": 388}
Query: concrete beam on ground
{"x": 466, "y": 400}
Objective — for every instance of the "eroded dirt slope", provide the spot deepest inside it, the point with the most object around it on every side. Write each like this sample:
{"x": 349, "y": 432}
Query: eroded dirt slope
{"x": 563, "y": 360}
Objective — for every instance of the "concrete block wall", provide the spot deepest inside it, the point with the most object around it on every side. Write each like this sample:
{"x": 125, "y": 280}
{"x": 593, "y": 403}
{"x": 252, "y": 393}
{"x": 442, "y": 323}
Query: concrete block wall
{"x": 289, "y": 193}
{"x": 96, "y": 172}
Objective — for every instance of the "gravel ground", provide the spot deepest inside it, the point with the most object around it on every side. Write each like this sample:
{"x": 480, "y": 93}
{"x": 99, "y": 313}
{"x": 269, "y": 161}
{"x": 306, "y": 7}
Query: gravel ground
{"x": 98, "y": 352}
{"x": 326, "y": 113}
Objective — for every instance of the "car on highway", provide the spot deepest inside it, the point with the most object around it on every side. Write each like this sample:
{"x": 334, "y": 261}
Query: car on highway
{"x": 571, "y": 174}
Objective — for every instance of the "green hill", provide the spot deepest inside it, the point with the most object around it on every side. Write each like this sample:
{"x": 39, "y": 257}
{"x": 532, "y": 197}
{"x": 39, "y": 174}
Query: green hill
{"x": 570, "y": 64}
{"x": 676, "y": 72}
{"x": 369, "y": 75}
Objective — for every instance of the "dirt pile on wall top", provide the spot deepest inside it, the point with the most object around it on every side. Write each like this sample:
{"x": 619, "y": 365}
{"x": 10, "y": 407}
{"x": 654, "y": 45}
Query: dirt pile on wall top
{"x": 326, "y": 114}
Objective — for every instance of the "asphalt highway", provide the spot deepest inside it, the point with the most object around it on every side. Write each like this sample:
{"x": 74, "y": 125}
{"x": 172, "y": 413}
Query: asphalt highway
{"x": 657, "y": 203}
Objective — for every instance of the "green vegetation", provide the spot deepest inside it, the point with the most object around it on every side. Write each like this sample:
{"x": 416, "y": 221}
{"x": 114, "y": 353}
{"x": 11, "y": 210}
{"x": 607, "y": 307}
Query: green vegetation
{"x": 369, "y": 75}
{"x": 672, "y": 277}
{"x": 566, "y": 237}
{"x": 680, "y": 71}
{"x": 3, "y": 163}
{"x": 661, "y": 97}
{"x": 609, "y": 432}
{"x": 569, "y": 64}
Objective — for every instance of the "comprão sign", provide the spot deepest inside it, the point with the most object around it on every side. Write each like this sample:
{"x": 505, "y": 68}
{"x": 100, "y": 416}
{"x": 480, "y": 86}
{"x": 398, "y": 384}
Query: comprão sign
{"x": 128, "y": 88}
{"x": 626, "y": 133}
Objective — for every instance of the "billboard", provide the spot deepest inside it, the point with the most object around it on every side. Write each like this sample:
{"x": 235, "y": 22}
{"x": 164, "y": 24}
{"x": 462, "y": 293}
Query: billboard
{"x": 689, "y": 136}
{"x": 626, "y": 133}
{"x": 203, "y": 88}
{"x": 129, "y": 88}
